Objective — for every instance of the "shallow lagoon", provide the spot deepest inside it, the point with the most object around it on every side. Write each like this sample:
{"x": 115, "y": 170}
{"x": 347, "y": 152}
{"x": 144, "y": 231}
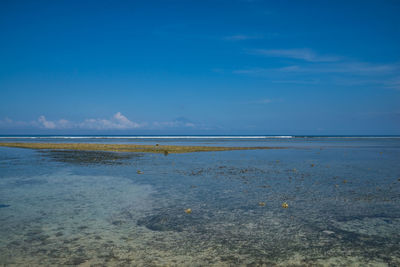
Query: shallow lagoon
{"x": 94, "y": 208}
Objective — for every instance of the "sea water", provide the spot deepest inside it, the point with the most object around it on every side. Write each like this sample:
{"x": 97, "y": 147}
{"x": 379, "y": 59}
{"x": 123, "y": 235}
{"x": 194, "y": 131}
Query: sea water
{"x": 60, "y": 207}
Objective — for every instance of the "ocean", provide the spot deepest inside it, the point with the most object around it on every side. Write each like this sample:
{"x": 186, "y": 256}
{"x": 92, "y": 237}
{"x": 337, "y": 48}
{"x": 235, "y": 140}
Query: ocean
{"x": 329, "y": 201}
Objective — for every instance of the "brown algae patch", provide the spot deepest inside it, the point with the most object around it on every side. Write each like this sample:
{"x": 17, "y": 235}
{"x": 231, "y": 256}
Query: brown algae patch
{"x": 81, "y": 157}
{"x": 165, "y": 149}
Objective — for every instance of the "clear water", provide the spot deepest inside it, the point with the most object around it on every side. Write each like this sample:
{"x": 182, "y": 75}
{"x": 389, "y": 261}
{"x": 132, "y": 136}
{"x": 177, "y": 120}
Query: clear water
{"x": 94, "y": 208}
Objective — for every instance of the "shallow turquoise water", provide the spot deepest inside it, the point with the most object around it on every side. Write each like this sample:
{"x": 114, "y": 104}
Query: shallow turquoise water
{"x": 94, "y": 208}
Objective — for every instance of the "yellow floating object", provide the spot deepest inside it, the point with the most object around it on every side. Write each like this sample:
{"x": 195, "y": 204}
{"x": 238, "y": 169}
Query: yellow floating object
{"x": 188, "y": 211}
{"x": 139, "y": 172}
{"x": 285, "y": 205}
{"x": 261, "y": 204}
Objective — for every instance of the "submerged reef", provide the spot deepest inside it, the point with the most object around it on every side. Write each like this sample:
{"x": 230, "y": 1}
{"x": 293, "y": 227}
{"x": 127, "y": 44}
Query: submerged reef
{"x": 130, "y": 148}
{"x": 89, "y": 157}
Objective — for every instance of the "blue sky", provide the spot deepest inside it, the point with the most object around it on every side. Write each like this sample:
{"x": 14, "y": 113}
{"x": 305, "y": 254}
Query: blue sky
{"x": 200, "y": 67}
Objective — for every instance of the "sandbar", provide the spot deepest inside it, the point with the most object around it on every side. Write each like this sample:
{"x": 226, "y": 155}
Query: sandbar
{"x": 129, "y": 148}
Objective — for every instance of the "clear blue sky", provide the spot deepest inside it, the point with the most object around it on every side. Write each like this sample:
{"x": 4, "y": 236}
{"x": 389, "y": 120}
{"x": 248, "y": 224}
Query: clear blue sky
{"x": 200, "y": 67}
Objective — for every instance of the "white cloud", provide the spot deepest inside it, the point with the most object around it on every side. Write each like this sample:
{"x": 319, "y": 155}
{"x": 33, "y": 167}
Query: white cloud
{"x": 124, "y": 122}
{"x": 45, "y": 123}
{"x": 118, "y": 122}
{"x": 42, "y": 122}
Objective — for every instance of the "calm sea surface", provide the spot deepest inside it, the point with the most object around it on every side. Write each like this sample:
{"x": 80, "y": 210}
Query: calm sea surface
{"x": 104, "y": 208}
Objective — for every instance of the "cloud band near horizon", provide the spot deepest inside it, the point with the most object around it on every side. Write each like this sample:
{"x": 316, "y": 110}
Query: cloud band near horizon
{"x": 116, "y": 122}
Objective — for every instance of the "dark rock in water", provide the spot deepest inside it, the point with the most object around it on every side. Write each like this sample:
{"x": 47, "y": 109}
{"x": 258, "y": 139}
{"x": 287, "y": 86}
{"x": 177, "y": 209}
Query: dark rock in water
{"x": 161, "y": 222}
{"x": 172, "y": 221}
{"x": 90, "y": 157}
{"x": 76, "y": 261}
{"x": 4, "y": 205}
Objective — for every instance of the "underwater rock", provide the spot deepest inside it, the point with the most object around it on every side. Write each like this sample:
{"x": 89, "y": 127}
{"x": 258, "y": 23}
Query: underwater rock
{"x": 172, "y": 220}
{"x": 117, "y": 222}
{"x": 58, "y": 234}
{"x": 4, "y": 206}
{"x": 161, "y": 222}
{"x": 328, "y": 232}
{"x": 76, "y": 261}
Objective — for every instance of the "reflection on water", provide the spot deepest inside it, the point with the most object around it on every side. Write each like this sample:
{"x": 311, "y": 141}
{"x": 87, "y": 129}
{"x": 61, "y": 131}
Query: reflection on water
{"x": 96, "y": 208}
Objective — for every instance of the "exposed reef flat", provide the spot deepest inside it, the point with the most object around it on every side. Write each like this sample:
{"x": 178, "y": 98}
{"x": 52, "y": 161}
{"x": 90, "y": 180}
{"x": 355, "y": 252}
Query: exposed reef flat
{"x": 130, "y": 148}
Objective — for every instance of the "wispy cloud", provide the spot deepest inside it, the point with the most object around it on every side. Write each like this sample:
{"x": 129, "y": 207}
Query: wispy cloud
{"x": 393, "y": 83}
{"x": 261, "y": 101}
{"x": 301, "y": 54}
{"x": 345, "y": 72}
{"x": 391, "y": 115}
{"x": 352, "y": 68}
{"x": 264, "y": 101}
{"x": 241, "y": 37}
{"x": 9, "y": 123}
{"x": 251, "y": 71}
{"x": 180, "y": 122}
{"x": 344, "y": 67}
{"x": 305, "y": 81}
